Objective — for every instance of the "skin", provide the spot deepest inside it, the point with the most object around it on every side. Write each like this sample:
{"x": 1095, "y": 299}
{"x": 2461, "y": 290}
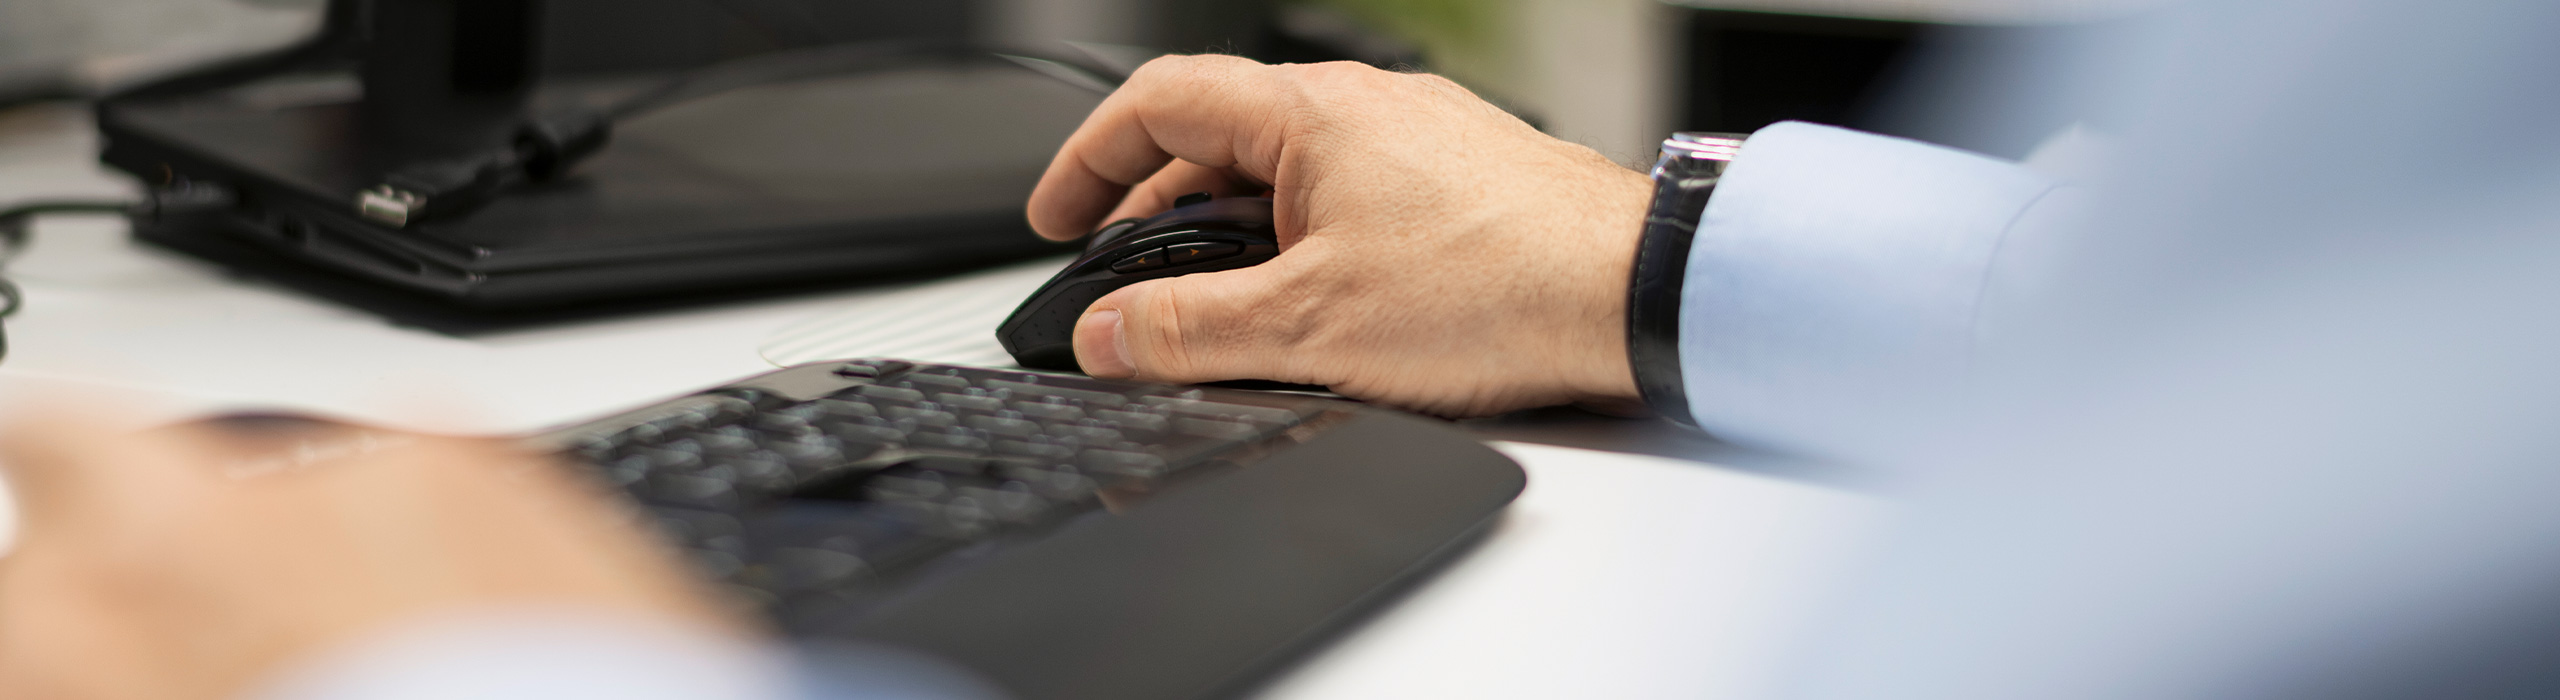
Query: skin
{"x": 1437, "y": 254}
{"x": 154, "y": 565}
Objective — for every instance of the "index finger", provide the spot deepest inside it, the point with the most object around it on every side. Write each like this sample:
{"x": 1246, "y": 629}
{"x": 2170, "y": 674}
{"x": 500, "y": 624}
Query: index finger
{"x": 1214, "y": 111}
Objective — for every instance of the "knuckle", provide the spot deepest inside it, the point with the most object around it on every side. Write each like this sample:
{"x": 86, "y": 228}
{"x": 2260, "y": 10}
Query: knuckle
{"x": 1188, "y": 67}
{"x": 1196, "y": 333}
{"x": 1436, "y": 83}
{"x": 1169, "y": 347}
{"x": 1342, "y": 75}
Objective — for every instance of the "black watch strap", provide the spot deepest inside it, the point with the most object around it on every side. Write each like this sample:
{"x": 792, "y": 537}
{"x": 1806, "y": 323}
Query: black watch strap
{"x": 1683, "y": 178}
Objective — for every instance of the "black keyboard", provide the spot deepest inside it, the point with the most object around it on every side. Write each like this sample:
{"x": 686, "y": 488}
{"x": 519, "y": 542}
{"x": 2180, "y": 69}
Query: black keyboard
{"x": 974, "y": 513}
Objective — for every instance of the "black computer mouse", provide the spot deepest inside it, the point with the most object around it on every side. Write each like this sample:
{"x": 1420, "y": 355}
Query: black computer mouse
{"x": 1199, "y": 234}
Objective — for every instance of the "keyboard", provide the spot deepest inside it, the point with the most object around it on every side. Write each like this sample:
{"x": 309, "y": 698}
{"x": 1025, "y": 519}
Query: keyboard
{"x": 1061, "y": 536}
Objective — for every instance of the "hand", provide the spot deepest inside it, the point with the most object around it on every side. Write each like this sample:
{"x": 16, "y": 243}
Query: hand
{"x": 193, "y": 561}
{"x": 1437, "y": 253}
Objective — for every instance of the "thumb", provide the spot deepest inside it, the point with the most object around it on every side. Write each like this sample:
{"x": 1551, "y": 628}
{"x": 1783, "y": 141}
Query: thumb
{"x": 1184, "y": 330}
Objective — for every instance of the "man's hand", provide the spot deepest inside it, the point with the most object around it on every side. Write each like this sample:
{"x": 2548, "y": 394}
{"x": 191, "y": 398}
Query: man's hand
{"x": 191, "y": 562}
{"x": 1437, "y": 253}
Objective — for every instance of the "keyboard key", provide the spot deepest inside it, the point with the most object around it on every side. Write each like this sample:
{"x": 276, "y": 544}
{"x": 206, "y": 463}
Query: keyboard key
{"x": 859, "y": 370}
{"x": 642, "y": 434}
{"x": 1090, "y": 398}
{"x": 1263, "y": 414}
{"x": 818, "y": 452}
{"x": 933, "y": 379}
{"x": 1035, "y": 449}
{"x": 594, "y": 450}
{"x": 807, "y": 410}
{"x": 869, "y": 431}
{"x": 890, "y": 392}
{"x": 724, "y": 444}
{"x": 764, "y": 473}
{"x": 839, "y": 409}
{"x": 987, "y": 404}
{"x": 1004, "y": 426}
{"x": 670, "y": 459}
{"x": 950, "y": 441}
{"x": 1049, "y": 411}
{"x": 922, "y": 416}
{"x": 624, "y": 473}
{"x": 1132, "y": 420}
{"x": 781, "y": 422}
{"x": 1088, "y": 433}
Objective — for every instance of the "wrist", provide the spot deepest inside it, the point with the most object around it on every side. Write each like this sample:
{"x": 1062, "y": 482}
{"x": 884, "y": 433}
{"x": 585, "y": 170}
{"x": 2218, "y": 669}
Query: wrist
{"x": 1604, "y": 382}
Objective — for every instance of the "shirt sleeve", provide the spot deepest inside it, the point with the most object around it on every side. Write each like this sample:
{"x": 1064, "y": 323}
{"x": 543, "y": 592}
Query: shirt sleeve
{"x": 1831, "y": 293}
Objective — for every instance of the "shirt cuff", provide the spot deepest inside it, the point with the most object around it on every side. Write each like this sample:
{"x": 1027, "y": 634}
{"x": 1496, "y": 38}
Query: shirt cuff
{"x": 1831, "y": 291}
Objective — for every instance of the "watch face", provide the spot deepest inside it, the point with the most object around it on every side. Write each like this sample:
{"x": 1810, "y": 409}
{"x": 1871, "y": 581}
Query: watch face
{"x": 1692, "y": 154}
{"x": 1707, "y": 142}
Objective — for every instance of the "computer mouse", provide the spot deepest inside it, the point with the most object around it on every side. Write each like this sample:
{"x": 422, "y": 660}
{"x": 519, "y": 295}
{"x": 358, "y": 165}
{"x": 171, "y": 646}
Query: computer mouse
{"x": 1199, "y": 234}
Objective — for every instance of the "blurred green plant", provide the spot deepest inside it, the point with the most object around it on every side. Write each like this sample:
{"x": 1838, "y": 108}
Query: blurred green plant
{"x": 1440, "y": 26}
{"x": 1462, "y": 39}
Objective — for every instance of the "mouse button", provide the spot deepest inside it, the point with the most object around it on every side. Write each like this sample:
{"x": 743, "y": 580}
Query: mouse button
{"x": 1186, "y": 253}
{"x": 1112, "y": 233}
{"x": 1140, "y": 262}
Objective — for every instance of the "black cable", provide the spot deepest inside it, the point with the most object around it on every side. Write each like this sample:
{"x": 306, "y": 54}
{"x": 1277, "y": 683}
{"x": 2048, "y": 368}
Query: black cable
{"x": 779, "y": 66}
{"x": 15, "y": 221}
{"x": 14, "y": 225}
{"x": 548, "y": 145}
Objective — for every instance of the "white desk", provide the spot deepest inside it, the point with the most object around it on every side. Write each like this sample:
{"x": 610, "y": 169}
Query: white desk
{"x": 1613, "y": 576}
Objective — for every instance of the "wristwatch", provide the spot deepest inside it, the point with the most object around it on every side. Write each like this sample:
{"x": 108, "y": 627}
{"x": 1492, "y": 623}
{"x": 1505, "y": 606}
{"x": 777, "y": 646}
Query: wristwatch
{"x": 1683, "y": 177}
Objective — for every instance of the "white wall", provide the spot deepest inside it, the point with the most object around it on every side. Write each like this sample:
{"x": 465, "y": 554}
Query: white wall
{"x": 1601, "y": 73}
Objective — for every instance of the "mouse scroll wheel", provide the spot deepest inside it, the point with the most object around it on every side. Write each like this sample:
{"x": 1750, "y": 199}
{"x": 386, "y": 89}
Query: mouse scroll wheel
{"x": 1193, "y": 198}
{"x": 1112, "y": 233}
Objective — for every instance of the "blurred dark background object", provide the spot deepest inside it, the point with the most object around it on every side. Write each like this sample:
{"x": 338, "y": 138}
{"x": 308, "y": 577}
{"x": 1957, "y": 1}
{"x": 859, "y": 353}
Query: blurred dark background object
{"x": 619, "y": 36}
{"x": 1750, "y": 69}
{"x": 1942, "y": 83}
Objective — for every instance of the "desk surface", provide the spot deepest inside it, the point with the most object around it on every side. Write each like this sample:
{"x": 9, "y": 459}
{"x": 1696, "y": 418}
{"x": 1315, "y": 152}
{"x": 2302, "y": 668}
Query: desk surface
{"x": 1615, "y": 575}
